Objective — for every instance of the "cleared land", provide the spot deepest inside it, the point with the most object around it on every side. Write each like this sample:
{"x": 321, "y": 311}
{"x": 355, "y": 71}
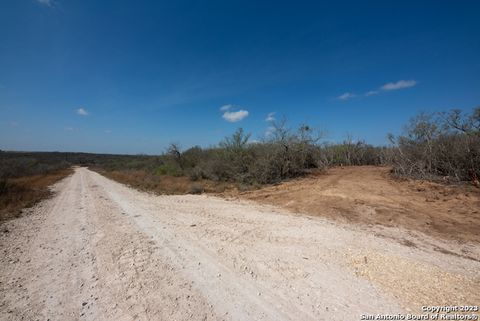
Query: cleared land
{"x": 100, "y": 250}
{"x": 370, "y": 196}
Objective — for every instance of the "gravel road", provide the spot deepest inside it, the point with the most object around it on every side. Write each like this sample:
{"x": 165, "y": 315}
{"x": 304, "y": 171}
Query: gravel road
{"x": 99, "y": 250}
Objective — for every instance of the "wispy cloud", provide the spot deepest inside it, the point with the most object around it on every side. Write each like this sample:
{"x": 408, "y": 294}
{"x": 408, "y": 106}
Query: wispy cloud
{"x": 68, "y": 128}
{"x": 371, "y": 93}
{"x": 47, "y": 3}
{"x": 399, "y": 85}
{"x": 107, "y": 131}
{"x": 387, "y": 87}
{"x": 82, "y": 112}
{"x": 226, "y": 107}
{"x": 270, "y": 117}
{"x": 346, "y": 96}
{"x": 13, "y": 124}
{"x": 269, "y": 132}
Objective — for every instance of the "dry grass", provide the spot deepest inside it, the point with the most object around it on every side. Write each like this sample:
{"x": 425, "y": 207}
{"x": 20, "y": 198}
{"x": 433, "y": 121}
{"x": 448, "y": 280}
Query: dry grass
{"x": 24, "y": 192}
{"x": 164, "y": 184}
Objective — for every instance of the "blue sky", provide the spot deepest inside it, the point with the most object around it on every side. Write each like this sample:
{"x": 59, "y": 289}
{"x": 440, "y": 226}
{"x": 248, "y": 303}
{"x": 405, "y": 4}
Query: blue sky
{"x": 132, "y": 76}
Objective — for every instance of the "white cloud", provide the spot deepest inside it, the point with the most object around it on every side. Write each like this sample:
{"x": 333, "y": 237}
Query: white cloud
{"x": 235, "y": 116}
{"x": 226, "y": 107}
{"x": 69, "y": 129}
{"x": 399, "y": 85}
{"x": 371, "y": 93}
{"x": 387, "y": 87}
{"x": 270, "y": 130}
{"x": 346, "y": 96}
{"x": 270, "y": 117}
{"x": 82, "y": 112}
{"x": 46, "y": 2}
{"x": 107, "y": 131}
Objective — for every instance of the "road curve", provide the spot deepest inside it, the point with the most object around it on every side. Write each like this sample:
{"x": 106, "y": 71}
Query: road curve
{"x": 99, "y": 250}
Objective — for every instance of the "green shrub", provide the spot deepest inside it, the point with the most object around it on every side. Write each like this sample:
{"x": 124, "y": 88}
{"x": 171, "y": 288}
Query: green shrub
{"x": 168, "y": 169}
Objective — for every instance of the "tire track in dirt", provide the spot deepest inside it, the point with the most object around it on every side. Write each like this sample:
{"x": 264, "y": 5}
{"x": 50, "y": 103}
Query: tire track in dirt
{"x": 100, "y": 250}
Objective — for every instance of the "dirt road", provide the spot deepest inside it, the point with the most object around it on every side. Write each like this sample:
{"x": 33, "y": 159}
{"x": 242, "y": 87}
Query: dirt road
{"x": 100, "y": 250}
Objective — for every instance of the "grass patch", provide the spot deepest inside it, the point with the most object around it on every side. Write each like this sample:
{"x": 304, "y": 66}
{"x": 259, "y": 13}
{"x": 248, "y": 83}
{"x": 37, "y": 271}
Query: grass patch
{"x": 26, "y": 191}
{"x": 164, "y": 184}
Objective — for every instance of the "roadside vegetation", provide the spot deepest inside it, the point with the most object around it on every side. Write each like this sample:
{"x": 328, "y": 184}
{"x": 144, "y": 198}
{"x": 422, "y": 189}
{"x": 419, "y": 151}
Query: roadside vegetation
{"x": 442, "y": 147}
{"x": 25, "y": 177}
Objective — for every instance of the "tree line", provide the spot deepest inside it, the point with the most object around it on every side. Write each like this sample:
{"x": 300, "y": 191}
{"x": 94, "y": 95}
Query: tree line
{"x": 433, "y": 146}
{"x": 436, "y": 146}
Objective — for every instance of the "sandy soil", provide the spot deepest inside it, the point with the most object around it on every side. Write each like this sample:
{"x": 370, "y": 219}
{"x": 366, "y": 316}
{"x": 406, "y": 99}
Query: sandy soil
{"x": 99, "y": 250}
{"x": 369, "y": 195}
